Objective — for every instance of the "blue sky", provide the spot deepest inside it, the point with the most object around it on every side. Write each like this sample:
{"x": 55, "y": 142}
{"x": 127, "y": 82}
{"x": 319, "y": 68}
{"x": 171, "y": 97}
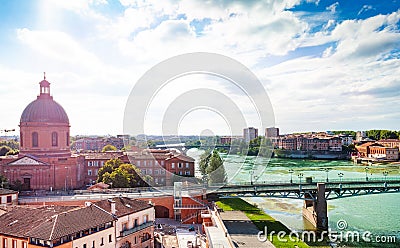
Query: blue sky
{"x": 326, "y": 65}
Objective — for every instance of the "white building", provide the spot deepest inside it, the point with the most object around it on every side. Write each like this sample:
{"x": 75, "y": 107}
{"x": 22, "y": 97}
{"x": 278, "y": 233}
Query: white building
{"x": 135, "y": 221}
{"x": 271, "y": 132}
{"x": 347, "y": 139}
{"x": 250, "y": 133}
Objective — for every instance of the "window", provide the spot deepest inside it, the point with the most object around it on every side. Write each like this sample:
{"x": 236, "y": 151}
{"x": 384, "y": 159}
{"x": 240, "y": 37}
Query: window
{"x": 138, "y": 163}
{"x": 9, "y": 199}
{"x": 14, "y": 243}
{"x": 84, "y": 246}
{"x": 144, "y": 163}
{"x": 125, "y": 226}
{"x": 67, "y": 138}
{"x": 21, "y": 139}
{"x": 24, "y": 244}
{"x": 35, "y": 139}
{"x": 179, "y": 165}
{"x": 145, "y": 217}
{"x": 110, "y": 238}
{"x": 150, "y": 163}
{"x": 90, "y": 163}
{"x": 89, "y": 172}
{"x": 180, "y": 173}
{"x": 187, "y": 173}
{"x": 136, "y": 223}
{"x": 93, "y": 244}
{"x": 173, "y": 165}
{"x": 4, "y": 243}
{"x": 102, "y": 242}
{"x": 162, "y": 162}
{"x": 187, "y": 165}
{"x": 54, "y": 139}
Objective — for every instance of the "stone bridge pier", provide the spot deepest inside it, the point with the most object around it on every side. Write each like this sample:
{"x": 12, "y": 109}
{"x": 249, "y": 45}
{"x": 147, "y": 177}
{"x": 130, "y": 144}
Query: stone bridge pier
{"x": 316, "y": 210}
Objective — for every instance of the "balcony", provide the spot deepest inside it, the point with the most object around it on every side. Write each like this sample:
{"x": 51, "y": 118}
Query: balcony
{"x": 136, "y": 229}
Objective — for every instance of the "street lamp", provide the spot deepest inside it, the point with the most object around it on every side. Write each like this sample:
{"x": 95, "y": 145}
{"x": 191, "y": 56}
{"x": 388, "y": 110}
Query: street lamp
{"x": 300, "y": 176}
{"x": 291, "y": 175}
{"x": 366, "y": 173}
{"x": 327, "y": 171}
{"x": 340, "y": 177}
{"x": 385, "y": 173}
{"x": 251, "y": 176}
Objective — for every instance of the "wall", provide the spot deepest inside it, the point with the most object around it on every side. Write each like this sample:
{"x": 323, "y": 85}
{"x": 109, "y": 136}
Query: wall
{"x": 96, "y": 237}
{"x": 10, "y": 240}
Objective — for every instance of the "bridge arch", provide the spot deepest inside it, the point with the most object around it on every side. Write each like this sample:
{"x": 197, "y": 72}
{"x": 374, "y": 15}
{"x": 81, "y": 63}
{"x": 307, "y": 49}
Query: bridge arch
{"x": 161, "y": 211}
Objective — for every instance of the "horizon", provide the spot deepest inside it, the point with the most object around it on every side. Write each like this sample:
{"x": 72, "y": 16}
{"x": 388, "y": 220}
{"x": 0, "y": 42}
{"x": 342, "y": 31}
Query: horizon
{"x": 326, "y": 65}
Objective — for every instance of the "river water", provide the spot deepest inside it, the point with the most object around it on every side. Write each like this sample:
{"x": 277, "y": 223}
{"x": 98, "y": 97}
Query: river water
{"x": 378, "y": 214}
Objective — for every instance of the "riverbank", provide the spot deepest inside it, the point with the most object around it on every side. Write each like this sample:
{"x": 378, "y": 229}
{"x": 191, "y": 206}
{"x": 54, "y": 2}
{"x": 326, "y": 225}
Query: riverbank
{"x": 320, "y": 155}
{"x": 262, "y": 220}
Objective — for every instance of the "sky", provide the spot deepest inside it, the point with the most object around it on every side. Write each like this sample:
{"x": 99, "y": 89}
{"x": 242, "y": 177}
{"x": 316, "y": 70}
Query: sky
{"x": 325, "y": 65}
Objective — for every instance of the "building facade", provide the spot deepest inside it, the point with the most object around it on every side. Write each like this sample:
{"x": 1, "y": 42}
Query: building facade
{"x": 45, "y": 160}
{"x": 135, "y": 221}
{"x": 377, "y": 151}
{"x": 271, "y": 132}
{"x": 8, "y": 197}
{"x": 250, "y": 133}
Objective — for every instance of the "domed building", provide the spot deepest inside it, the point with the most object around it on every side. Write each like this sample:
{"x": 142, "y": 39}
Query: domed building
{"x": 45, "y": 161}
{"x": 44, "y": 126}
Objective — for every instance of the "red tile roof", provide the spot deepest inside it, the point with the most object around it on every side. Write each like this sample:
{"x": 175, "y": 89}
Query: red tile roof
{"x": 123, "y": 205}
{"x": 71, "y": 222}
{"x": 19, "y": 220}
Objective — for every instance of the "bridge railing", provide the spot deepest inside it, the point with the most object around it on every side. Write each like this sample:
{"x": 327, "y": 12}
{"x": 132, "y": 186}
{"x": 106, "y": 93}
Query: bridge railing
{"x": 314, "y": 181}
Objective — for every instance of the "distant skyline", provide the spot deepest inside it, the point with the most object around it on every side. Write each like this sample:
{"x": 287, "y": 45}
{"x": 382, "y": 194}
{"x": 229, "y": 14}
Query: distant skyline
{"x": 326, "y": 65}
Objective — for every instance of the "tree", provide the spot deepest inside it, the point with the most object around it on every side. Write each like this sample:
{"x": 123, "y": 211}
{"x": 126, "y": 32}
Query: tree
{"x": 204, "y": 158}
{"x": 122, "y": 175}
{"x": 4, "y": 150}
{"x": 215, "y": 169}
{"x": 4, "y": 182}
{"x": 109, "y": 148}
{"x": 108, "y": 167}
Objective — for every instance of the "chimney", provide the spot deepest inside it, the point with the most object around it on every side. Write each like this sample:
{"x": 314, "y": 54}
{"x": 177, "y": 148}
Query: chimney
{"x": 87, "y": 204}
{"x": 113, "y": 210}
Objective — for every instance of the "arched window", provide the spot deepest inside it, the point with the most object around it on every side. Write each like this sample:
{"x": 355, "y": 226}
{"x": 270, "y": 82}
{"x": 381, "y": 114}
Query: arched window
{"x": 21, "y": 139}
{"x": 67, "y": 138}
{"x": 54, "y": 139}
{"x": 35, "y": 139}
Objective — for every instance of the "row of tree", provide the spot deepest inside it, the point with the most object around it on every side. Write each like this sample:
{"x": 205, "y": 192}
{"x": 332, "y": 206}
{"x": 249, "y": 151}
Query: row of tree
{"x": 375, "y": 134}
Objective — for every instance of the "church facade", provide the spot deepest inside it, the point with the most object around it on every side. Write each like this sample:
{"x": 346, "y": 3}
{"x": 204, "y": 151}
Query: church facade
{"x": 45, "y": 160}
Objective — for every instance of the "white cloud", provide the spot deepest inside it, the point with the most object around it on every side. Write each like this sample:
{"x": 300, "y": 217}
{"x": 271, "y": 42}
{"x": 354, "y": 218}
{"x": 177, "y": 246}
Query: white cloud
{"x": 365, "y": 8}
{"x": 332, "y": 8}
{"x": 94, "y": 71}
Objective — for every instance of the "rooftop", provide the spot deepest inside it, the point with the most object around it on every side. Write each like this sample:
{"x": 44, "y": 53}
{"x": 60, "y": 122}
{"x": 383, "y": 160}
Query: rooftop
{"x": 70, "y": 222}
{"x": 20, "y": 220}
{"x": 123, "y": 205}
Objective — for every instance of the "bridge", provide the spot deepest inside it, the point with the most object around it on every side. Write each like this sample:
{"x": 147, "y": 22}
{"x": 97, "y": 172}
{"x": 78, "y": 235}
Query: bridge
{"x": 315, "y": 194}
{"x": 184, "y": 147}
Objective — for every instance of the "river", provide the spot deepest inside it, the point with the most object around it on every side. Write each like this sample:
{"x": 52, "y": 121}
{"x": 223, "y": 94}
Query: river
{"x": 378, "y": 214}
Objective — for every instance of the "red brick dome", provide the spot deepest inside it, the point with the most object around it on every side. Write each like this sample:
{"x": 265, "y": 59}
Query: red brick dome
{"x": 44, "y": 108}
